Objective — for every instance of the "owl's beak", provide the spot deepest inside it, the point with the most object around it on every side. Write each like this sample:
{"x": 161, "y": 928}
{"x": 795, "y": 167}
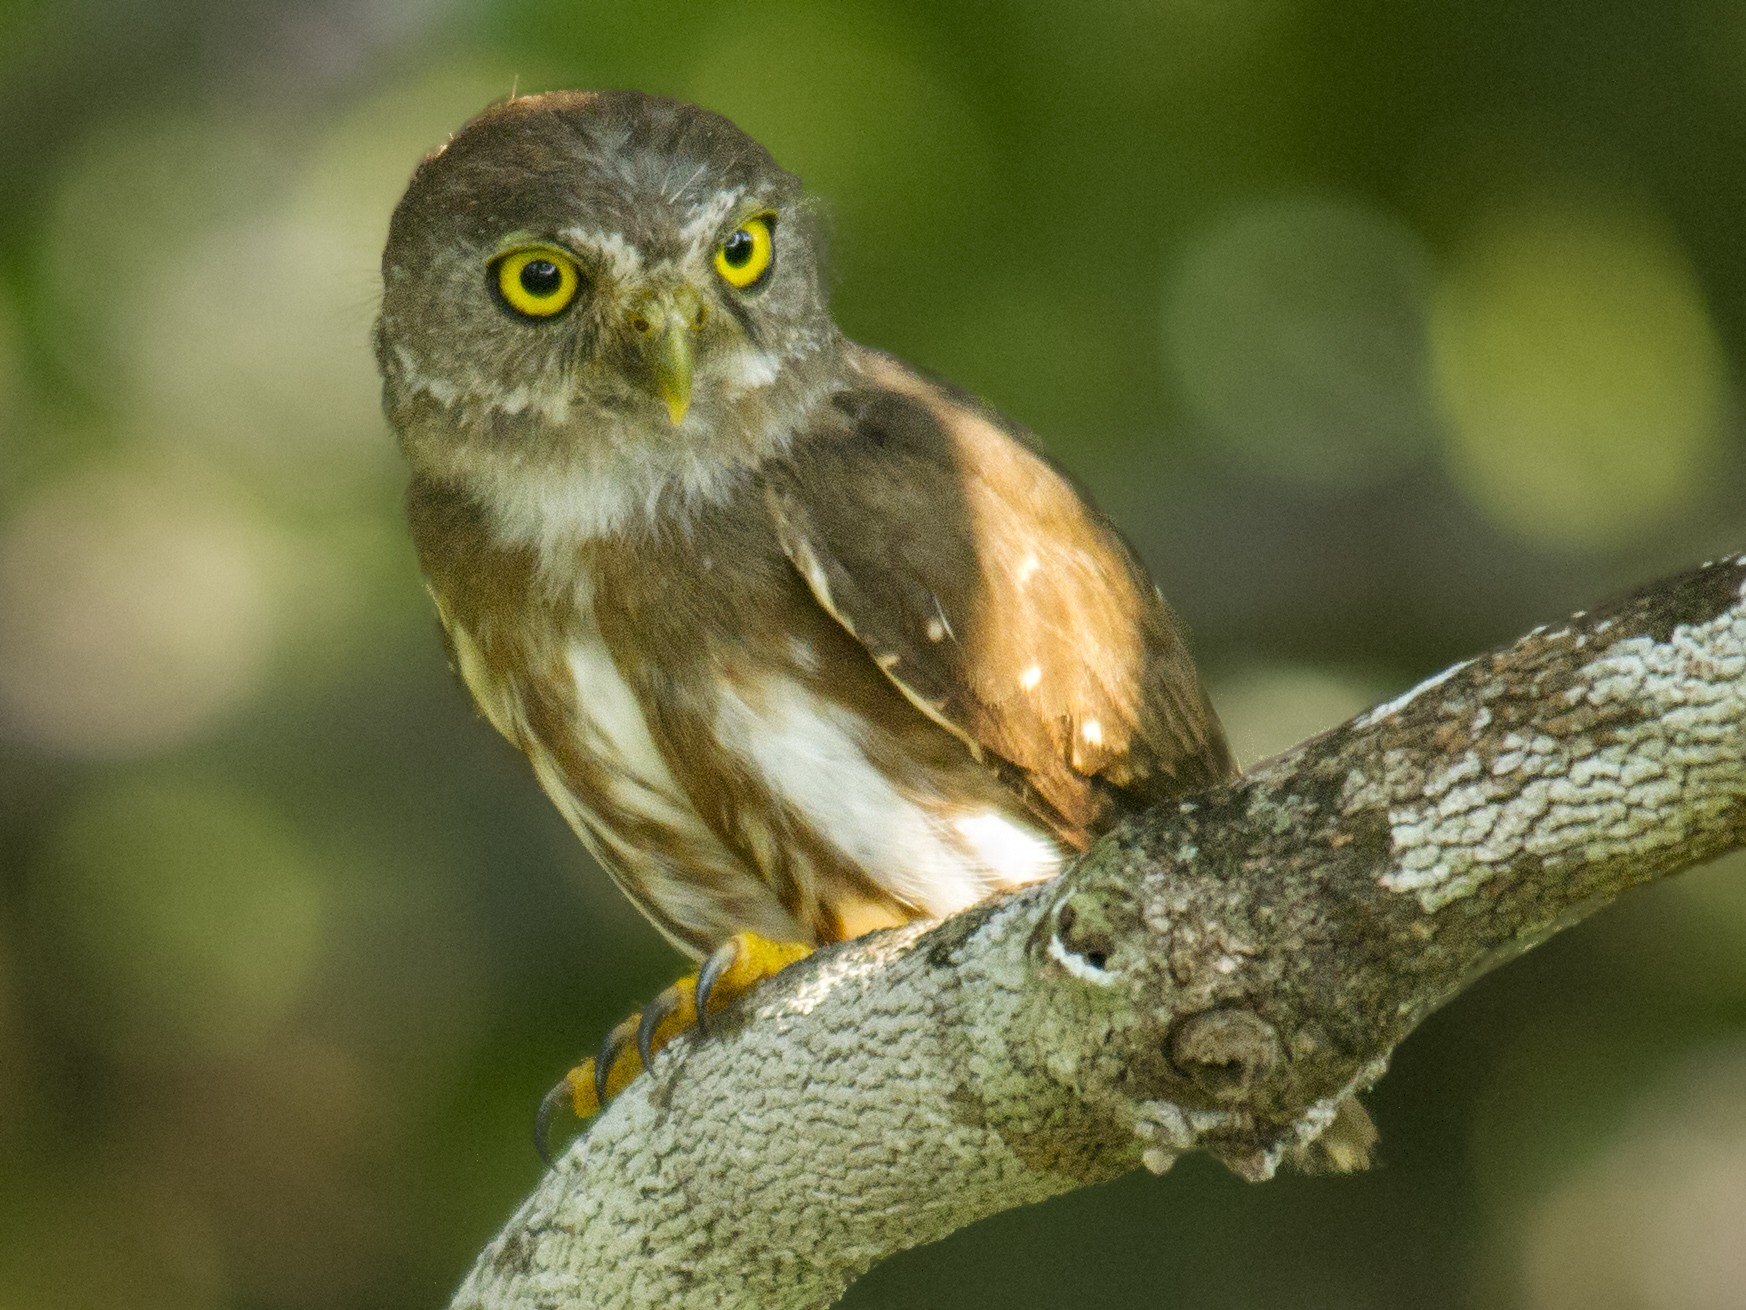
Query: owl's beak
{"x": 666, "y": 321}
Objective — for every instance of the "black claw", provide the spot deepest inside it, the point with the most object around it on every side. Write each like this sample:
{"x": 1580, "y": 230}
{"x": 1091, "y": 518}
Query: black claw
{"x": 662, "y": 1006}
{"x": 553, "y": 1101}
{"x": 603, "y": 1062}
{"x": 718, "y": 963}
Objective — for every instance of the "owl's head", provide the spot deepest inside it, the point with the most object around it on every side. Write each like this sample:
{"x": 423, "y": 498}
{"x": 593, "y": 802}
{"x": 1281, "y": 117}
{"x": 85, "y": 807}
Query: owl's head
{"x": 578, "y": 277}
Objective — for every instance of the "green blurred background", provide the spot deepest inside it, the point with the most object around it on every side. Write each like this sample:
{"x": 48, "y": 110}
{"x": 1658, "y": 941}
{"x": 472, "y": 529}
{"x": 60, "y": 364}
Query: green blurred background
{"x": 1387, "y": 330}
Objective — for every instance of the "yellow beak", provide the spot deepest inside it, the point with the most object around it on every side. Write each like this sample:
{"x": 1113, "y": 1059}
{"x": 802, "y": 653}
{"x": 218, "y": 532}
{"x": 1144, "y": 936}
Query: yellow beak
{"x": 672, "y": 370}
{"x": 666, "y": 321}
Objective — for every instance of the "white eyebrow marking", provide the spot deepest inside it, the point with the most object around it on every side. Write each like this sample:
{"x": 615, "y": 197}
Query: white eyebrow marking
{"x": 704, "y": 223}
{"x": 624, "y": 259}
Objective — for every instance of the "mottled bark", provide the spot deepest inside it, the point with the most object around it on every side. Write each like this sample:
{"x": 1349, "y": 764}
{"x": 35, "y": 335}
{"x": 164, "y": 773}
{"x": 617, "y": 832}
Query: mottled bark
{"x": 1218, "y": 976}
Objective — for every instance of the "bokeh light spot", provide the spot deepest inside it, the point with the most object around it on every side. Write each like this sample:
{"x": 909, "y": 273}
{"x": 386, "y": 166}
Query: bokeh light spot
{"x": 1296, "y": 332}
{"x": 250, "y": 337}
{"x": 1579, "y": 373}
{"x": 190, "y": 913}
{"x": 135, "y": 608}
{"x": 130, "y": 198}
{"x": 358, "y": 168}
{"x": 260, "y": 354}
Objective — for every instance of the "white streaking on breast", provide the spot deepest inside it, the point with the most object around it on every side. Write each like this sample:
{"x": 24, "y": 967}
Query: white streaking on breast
{"x": 710, "y": 893}
{"x": 808, "y": 752}
{"x": 616, "y": 733}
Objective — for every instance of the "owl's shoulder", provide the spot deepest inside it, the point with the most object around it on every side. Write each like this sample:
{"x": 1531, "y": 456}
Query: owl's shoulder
{"x": 889, "y": 407}
{"x": 920, "y": 476}
{"x": 994, "y": 595}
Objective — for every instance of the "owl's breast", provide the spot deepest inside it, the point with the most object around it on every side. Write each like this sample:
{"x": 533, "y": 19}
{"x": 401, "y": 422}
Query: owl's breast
{"x": 559, "y": 696}
{"x": 732, "y": 757}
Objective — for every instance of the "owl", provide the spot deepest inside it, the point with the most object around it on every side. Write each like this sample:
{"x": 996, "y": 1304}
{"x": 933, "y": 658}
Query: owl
{"x": 801, "y": 641}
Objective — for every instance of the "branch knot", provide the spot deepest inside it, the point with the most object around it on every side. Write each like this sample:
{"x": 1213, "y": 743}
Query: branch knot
{"x": 1225, "y": 1053}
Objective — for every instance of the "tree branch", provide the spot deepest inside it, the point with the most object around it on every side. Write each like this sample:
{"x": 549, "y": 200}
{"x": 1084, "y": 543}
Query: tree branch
{"x": 1219, "y": 975}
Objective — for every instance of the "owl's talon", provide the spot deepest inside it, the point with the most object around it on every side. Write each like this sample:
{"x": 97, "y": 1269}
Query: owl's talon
{"x": 649, "y": 1037}
{"x": 554, "y": 1100}
{"x": 575, "y": 1089}
{"x": 631, "y": 1047}
{"x": 602, "y": 1067}
{"x": 612, "y": 1052}
{"x": 736, "y": 965}
{"x": 718, "y": 963}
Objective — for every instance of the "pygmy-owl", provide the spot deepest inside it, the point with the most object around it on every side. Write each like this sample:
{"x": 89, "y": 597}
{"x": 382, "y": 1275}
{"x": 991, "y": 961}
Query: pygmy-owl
{"x": 800, "y": 641}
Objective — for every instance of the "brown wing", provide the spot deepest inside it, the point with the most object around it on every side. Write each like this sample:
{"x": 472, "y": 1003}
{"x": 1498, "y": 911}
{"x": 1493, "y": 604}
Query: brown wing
{"x": 1000, "y": 603}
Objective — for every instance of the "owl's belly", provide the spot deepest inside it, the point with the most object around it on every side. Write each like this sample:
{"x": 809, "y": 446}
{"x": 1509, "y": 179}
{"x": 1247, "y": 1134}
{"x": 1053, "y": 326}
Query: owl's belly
{"x": 824, "y": 844}
{"x": 901, "y": 826}
{"x": 615, "y": 788}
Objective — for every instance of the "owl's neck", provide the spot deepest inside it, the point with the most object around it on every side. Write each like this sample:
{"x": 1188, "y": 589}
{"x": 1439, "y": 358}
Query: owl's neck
{"x": 555, "y": 479}
{"x": 628, "y": 491}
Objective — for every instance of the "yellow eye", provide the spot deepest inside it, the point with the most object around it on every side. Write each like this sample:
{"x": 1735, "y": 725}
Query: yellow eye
{"x": 744, "y": 257}
{"x": 538, "y": 281}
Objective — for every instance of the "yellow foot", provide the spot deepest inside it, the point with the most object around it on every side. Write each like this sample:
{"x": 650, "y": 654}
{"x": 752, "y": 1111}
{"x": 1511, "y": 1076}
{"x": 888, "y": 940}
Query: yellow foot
{"x": 735, "y": 967}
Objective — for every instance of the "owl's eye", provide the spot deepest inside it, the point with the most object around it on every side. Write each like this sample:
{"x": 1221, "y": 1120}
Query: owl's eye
{"x": 744, "y": 258}
{"x": 538, "y": 281}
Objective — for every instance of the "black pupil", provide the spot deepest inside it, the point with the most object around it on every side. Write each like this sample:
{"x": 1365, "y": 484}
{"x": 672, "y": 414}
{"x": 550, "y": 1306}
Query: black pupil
{"x": 540, "y": 277}
{"x": 737, "y": 249}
